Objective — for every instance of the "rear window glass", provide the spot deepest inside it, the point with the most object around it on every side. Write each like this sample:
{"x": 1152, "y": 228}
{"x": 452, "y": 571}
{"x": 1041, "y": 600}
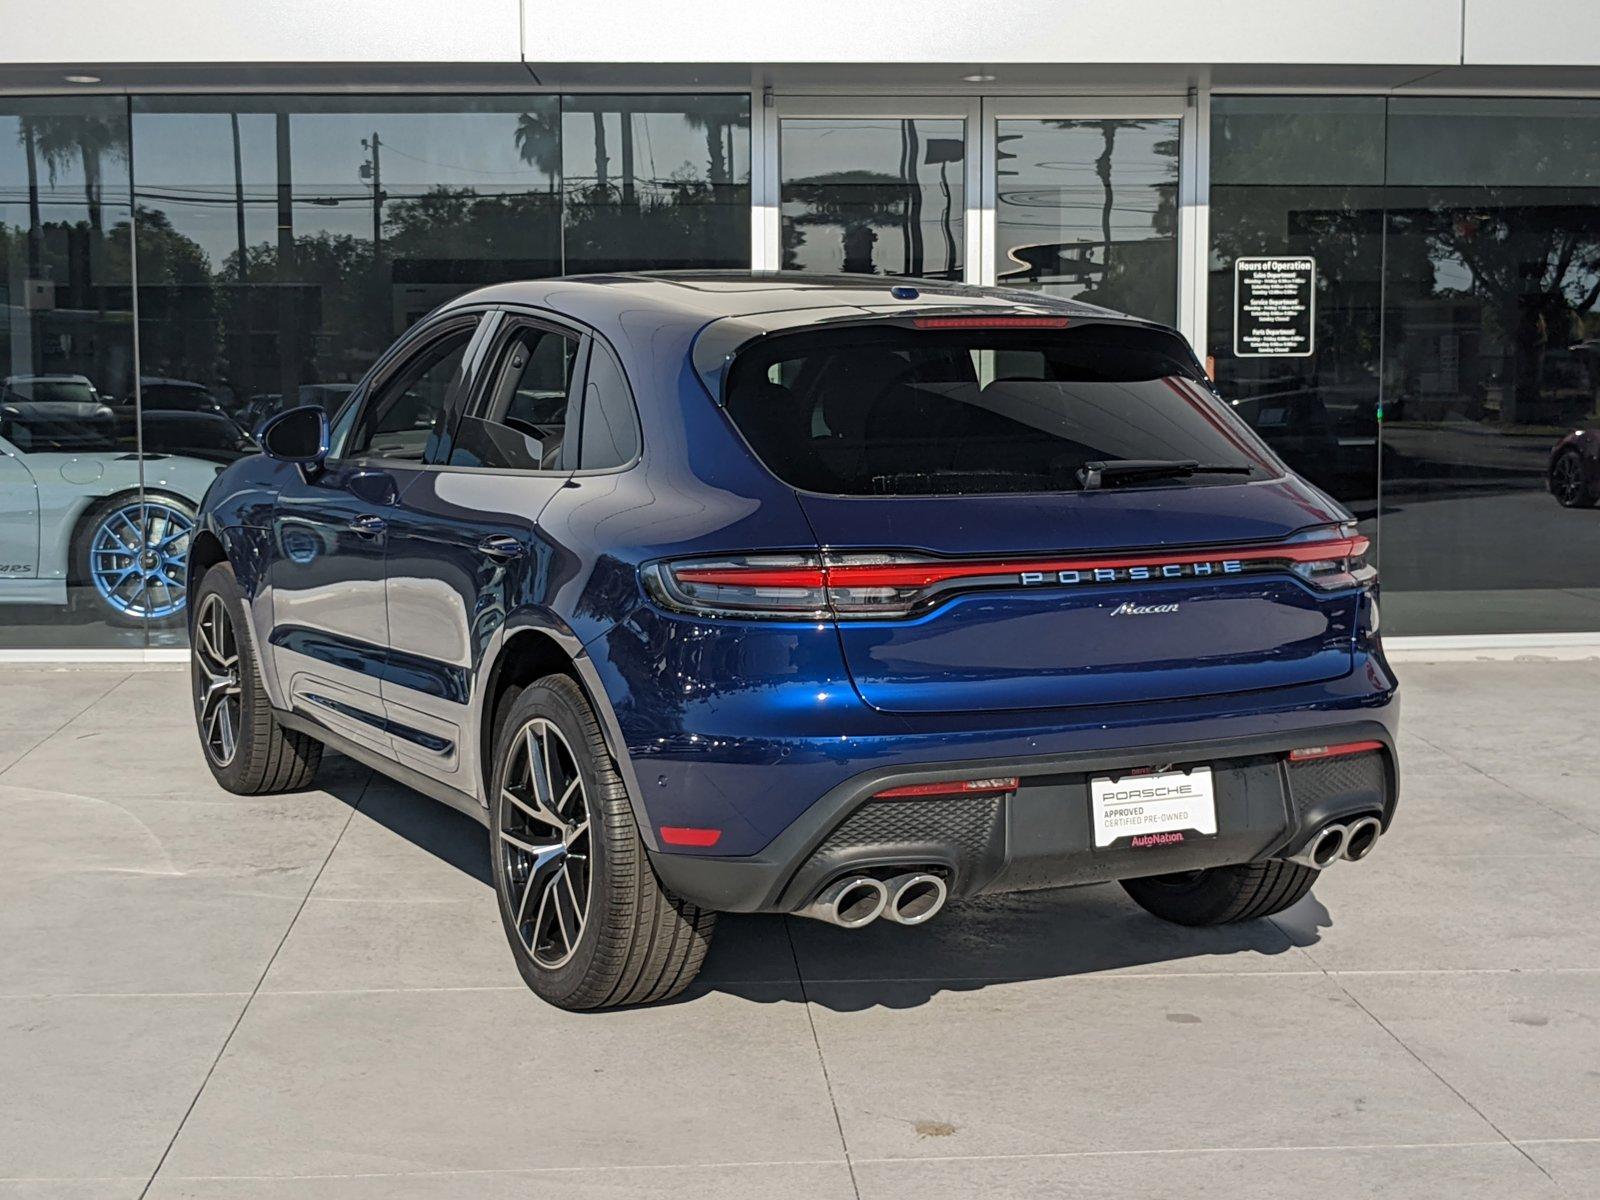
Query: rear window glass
{"x": 894, "y": 411}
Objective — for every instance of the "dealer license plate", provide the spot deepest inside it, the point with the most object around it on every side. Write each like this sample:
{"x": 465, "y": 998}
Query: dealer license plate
{"x": 1160, "y": 809}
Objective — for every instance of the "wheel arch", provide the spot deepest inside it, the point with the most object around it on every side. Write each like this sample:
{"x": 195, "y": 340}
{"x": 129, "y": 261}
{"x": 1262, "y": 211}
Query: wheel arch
{"x": 531, "y": 652}
{"x": 205, "y": 551}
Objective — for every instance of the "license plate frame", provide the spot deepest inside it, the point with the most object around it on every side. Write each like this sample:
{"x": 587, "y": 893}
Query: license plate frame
{"x": 1156, "y": 808}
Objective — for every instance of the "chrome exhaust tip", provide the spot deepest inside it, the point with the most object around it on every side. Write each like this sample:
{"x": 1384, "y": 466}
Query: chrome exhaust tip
{"x": 915, "y": 898}
{"x": 849, "y": 903}
{"x": 1362, "y": 838}
{"x": 1323, "y": 850}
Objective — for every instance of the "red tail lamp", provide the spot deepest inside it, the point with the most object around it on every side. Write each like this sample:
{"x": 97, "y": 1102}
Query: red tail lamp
{"x": 951, "y": 787}
{"x": 1313, "y": 753}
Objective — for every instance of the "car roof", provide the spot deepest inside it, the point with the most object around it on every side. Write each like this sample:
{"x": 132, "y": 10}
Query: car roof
{"x": 699, "y": 297}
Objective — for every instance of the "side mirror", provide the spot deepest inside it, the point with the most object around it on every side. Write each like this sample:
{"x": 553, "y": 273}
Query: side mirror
{"x": 299, "y": 436}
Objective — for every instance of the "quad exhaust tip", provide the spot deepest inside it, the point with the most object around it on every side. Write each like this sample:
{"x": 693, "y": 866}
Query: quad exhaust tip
{"x": 1361, "y": 838}
{"x": 1334, "y": 841}
{"x": 849, "y": 903}
{"x": 915, "y": 898}
{"x": 858, "y": 900}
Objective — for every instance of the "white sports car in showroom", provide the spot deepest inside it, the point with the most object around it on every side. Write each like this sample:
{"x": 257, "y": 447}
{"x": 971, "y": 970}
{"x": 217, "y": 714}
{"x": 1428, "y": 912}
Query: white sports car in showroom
{"x": 72, "y": 515}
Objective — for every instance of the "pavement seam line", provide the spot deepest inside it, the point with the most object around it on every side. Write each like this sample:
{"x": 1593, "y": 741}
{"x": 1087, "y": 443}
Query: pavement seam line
{"x": 1428, "y": 1067}
{"x": 1509, "y": 786}
{"x": 822, "y": 1061}
{"x": 51, "y": 735}
{"x": 255, "y": 991}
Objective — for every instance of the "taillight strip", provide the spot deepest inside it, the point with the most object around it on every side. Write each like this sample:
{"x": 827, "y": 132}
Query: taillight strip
{"x": 1316, "y": 753}
{"x": 923, "y": 574}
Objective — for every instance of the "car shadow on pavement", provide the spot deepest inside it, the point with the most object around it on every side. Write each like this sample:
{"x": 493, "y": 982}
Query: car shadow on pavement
{"x": 450, "y": 836}
{"x": 1064, "y": 933}
{"x": 1084, "y": 931}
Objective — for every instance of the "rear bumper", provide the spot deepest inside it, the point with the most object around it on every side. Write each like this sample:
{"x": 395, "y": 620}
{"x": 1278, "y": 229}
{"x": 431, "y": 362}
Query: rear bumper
{"x": 1039, "y": 836}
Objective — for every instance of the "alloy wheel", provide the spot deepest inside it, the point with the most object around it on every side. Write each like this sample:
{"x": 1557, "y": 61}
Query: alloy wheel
{"x": 545, "y": 844}
{"x": 1568, "y": 480}
{"x": 219, "y": 697}
{"x": 139, "y": 559}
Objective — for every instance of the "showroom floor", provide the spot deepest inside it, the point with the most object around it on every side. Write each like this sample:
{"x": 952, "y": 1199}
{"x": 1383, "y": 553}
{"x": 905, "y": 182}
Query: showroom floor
{"x": 309, "y": 996}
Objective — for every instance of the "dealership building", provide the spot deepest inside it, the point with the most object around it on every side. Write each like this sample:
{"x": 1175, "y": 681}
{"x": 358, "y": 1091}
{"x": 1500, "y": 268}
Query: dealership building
{"x": 1377, "y": 224}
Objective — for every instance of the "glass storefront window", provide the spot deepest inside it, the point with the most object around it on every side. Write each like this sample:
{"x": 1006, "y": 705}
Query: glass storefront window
{"x": 873, "y": 195}
{"x": 1492, "y": 354}
{"x": 1302, "y": 178}
{"x": 1457, "y": 251}
{"x": 72, "y": 526}
{"x": 285, "y": 242}
{"x": 1088, "y": 209}
{"x": 655, "y": 183}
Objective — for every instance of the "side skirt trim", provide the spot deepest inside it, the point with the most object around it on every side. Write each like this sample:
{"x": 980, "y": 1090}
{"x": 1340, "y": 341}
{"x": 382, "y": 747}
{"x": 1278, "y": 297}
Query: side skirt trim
{"x": 398, "y": 772}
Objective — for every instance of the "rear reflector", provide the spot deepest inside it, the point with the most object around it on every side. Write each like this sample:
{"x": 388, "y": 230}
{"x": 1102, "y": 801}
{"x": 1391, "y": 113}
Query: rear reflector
{"x": 1308, "y": 753}
{"x": 951, "y": 787}
{"x": 990, "y": 322}
{"x": 688, "y": 835}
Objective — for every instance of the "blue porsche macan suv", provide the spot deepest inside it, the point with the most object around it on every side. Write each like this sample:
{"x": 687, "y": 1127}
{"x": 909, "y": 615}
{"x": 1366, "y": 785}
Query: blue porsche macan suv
{"x": 754, "y": 593}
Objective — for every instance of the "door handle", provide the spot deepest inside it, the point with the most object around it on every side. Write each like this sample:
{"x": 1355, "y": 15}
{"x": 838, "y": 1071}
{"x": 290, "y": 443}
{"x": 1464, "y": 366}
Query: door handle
{"x": 500, "y": 545}
{"x": 368, "y": 525}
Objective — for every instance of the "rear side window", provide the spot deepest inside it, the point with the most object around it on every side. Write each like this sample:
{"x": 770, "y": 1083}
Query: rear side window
{"x": 895, "y": 411}
{"x": 610, "y": 427}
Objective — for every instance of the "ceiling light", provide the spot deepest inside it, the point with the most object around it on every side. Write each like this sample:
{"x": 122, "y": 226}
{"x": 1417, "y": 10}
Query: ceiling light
{"x": 979, "y": 78}
{"x": 81, "y": 78}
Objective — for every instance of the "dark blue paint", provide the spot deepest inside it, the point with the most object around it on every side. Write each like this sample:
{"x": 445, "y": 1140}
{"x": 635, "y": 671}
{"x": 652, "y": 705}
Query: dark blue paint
{"x": 744, "y": 725}
{"x": 363, "y": 658}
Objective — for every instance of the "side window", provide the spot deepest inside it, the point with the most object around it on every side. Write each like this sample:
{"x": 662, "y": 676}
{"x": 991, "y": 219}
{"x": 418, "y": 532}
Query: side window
{"x": 407, "y": 412}
{"x": 521, "y": 423}
{"x": 610, "y": 423}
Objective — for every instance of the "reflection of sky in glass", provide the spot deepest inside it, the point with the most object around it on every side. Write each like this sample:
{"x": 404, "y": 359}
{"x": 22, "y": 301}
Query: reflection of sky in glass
{"x": 1049, "y": 190}
{"x": 185, "y": 159}
{"x": 185, "y": 167}
{"x": 820, "y": 146}
{"x": 60, "y": 182}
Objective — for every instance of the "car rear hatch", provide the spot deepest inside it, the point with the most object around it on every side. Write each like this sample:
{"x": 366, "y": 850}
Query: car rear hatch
{"x": 978, "y": 558}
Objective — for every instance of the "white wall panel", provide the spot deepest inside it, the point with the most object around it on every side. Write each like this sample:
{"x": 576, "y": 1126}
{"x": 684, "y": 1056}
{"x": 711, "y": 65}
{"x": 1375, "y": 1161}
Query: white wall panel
{"x": 1532, "y": 33}
{"x": 258, "y": 31}
{"x": 994, "y": 31}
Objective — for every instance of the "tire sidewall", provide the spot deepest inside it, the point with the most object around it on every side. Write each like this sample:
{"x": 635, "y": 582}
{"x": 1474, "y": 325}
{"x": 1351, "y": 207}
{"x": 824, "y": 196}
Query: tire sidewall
{"x": 82, "y": 568}
{"x": 542, "y": 699}
{"x": 1583, "y": 499}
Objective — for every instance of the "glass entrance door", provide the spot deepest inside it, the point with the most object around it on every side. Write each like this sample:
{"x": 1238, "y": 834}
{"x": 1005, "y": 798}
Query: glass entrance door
{"x": 875, "y": 187}
{"x": 1084, "y": 203}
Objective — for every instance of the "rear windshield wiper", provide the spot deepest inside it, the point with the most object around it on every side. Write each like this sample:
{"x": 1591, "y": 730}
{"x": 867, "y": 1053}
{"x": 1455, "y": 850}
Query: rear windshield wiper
{"x": 1111, "y": 471}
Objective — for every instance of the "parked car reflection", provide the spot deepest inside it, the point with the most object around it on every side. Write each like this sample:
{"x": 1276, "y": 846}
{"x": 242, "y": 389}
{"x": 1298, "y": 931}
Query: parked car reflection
{"x": 1575, "y": 469}
{"x": 75, "y": 526}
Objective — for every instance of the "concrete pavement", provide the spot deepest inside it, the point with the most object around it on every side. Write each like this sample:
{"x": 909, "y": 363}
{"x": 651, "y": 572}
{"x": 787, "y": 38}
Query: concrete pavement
{"x": 309, "y": 996}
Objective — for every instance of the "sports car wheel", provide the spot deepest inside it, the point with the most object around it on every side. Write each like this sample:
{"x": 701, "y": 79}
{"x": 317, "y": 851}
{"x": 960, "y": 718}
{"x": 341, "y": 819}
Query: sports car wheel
{"x": 1567, "y": 483}
{"x": 133, "y": 556}
{"x": 248, "y": 752}
{"x": 588, "y": 922}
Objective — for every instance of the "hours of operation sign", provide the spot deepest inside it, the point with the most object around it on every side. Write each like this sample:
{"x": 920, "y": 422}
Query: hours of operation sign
{"x": 1274, "y": 307}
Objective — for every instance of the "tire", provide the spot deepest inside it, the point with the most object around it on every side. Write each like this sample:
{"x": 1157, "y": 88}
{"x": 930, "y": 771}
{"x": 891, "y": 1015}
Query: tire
{"x": 568, "y": 833}
{"x": 110, "y": 571}
{"x": 258, "y": 757}
{"x": 1223, "y": 895}
{"x": 1567, "y": 483}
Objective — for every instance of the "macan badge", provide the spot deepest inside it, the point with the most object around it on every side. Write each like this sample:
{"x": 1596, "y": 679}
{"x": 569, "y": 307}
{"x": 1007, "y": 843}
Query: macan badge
{"x": 1129, "y": 609}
